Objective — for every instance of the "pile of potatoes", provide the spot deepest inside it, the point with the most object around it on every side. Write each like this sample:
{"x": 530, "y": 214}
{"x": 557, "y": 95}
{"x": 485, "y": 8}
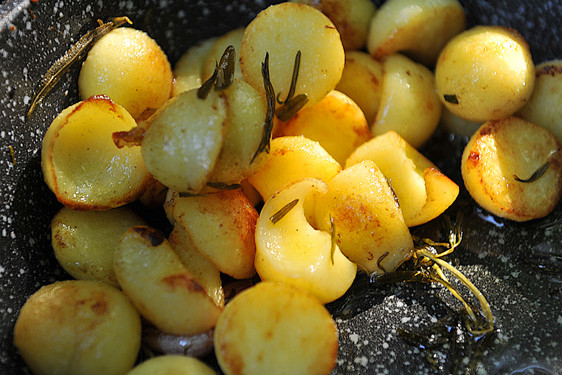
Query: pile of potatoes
{"x": 293, "y": 218}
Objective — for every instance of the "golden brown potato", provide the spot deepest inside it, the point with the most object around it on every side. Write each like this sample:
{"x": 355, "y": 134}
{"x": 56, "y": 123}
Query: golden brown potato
{"x": 545, "y": 106}
{"x": 80, "y": 162}
{"x": 84, "y": 241}
{"x": 188, "y": 71}
{"x": 183, "y": 140}
{"x": 352, "y": 18}
{"x": 485, "y": 73}
{"x": 417, "y": 28}
{"x": 336, "y": 122}
{"x": 369, "y": 226}
{"x": 291, "y": 251}
{"x": 282, "y": 30}
{"x": 422, "y": 190}
{"x": 502, "y": 165}
{"x": 78, "y": 327}
{"x": 161, "y": 288}
{"x": 273, "y": 329}
{"x": 172, "y": 364}
{"x": 291, "y": 159}
{"x": 221, "y": 227}
{"x": 130, "y": 67}
{"x": 361, "y": 80}
{"x": 409, "y": 103}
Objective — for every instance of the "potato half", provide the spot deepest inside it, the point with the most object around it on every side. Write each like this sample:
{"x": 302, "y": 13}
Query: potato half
{"x": 82, "y": 165}
{"x": 273, "y": 329}
{"x": 369, "y": 226}
{"x": 84, "y": 241}
{"x": 130, "y": 67}
{"x": 485, "y": 73}
{"x": 291, "y": 251}
{"x": 281, "y": 31}
{"x": 78, "y": 327}
{"x": 503, "y": 169}
{"x": 161, "y": 288}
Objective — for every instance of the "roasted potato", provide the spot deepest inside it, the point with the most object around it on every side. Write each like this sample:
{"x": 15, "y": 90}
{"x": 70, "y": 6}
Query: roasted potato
{"x": 172, "y": 364}
{"x": 78, "y": 327}
{"x": 336, "y": 122}
{"x": 160, "y": 286}
{"x": 290, "y": 250}
{"x": 130, "y": 67}
{"x": 274, "y": 328}
{"x": 513, "y": 169}
{"x": 485, "y": 73}
{"x": 80, "y": 162}
{"x": 84, "y": 241}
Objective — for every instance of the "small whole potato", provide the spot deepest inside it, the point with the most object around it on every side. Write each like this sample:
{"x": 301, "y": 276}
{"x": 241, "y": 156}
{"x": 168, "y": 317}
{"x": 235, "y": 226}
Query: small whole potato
{"x": 78, "y": 327}
{"x": 172, "y": 364}
{"x": 485, "y": 73}
{"x": 130, "y": 67}
{"x": 513, "y": 169}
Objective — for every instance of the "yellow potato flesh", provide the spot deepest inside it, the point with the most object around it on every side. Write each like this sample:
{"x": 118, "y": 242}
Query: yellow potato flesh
{"x": 488, "y": 70}
{"x": 291, "y": 159}
{"x": 336, "y": 122}
{"x": 84, "y": 241}
{"x": 183, "y": 140}
{"x": 293, "y": 252}
{"x": 172, "y": 365}
{"x": 78, "y": 327}
{"x": 409, "y": 103}
{"x": 502, "y": 150}
{"x": 129, "y": 67}
{"x": 159, "y": 285}
{"x": 278, "y": 30}
{"x": 82, "y": 165}
{"x": 418, "y": 28}
{"x": 411, "y": 175}
{"x": 275, "y": 329}
{"x": 370, "y": 229}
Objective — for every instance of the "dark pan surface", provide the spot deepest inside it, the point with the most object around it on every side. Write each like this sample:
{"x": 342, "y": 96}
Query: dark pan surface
{"x": 516, "y": 266}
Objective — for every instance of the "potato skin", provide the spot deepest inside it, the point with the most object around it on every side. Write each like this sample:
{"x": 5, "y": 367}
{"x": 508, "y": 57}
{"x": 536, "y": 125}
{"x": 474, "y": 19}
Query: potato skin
{"x": 503, "y": 150}
{"x": 78, "y": 327}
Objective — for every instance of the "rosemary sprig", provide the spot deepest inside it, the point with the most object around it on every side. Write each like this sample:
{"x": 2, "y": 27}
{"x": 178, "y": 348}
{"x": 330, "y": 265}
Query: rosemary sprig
{"x": 270, "y": 99}
{"x": 333, "y": 238}
{"x": 292, "y": 103}
{"x": 223, "y": 75}
{"x": 283, "y": 211}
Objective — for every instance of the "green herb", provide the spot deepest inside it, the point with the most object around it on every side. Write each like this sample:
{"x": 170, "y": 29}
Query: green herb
{"x": 292, "y": 104}
{"x": 333, "y": 238}
{"x": 74, "y": 54}
{"x": 536, "y": 175}
{"x": 223, "y": 186}
{"x": 205, "y": 89}
{"x": 227, "y": 67}
{"x": 451, "y": 98}
{"x": 294, "y": 78}
{"x": 283, "y": 211}
{"x": 270, "y": 99}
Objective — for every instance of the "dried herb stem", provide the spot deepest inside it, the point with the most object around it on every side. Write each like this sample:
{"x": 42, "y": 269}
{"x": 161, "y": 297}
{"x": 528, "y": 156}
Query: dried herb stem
{"x": 270, "y": 99}
{"x": 283, "y": 211}
{"x": 333, "y": 238}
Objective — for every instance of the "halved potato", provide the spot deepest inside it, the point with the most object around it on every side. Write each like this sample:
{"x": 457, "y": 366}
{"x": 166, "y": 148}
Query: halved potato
{"x": 498, "y": 162}
{"x": 84, "y": 241}
{"x": 417, "y": 28}
{"x": 369, "y": 226}
{"x": 351, "y": 17}
{"x": 281, "y": 31}
{"x": 544, "y": 108}
{"x": 422, "y": 190}
{"x": 205, "y": 272}
{"x": 409, "y": 103}
{"x": 188, "y": 71}
{"x": 172, "y": 364}
{"x": 273, "y": 329}
{"x": 290, "y": 250}
{"x": 78, "y": 327}
{"x": 221, "y": 227}
{"x": 80, "y": 162}
{"x": 182, "y": 142}
{"x": 130, "y": 67}
{"x": 231, "y": 38}
{"x": 159, "y": 285}
{"x": 485, "y": 73}
{"x": 244, "y": 131}
{"x": 336, "y": 122}
{"x": 290, "y": 159}
{"x": 361, "y": 80}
